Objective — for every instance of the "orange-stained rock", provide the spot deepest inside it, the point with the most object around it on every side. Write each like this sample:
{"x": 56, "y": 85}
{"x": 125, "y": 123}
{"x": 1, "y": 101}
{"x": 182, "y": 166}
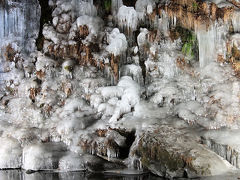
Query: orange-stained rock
{"x": 194, "y": 15}
{"x": 10, "y": 53}
{"x": 40, "y": 74}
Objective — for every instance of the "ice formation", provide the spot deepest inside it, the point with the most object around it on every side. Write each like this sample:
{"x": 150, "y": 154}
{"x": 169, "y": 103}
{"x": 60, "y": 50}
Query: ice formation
{"x": 154, "y": 86}
{"x": 144, "y": 7}
{"x": 127, "y": 17}
{"x": 117, "y": 42}
{"x": 19, "y": 23}
{"x": 115, "y": 5}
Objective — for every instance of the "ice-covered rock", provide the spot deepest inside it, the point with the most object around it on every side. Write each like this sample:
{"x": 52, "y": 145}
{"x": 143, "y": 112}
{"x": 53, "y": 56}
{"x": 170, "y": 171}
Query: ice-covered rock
{"x": 94, "y": 24}
{"x": 95, "y": 89}
{"x": 129, "y": 99}
{"x": 173, "y": 153}
{"x": 144, "y": 7}
{"x": 42, "y": 156}
{"x": 81, "y": 8}
{"x": 72, "y": 162}
{"x": 10, "y": 153}
{"x": 225, "y": 143}
{"x": 133, "y": 71}
{"x": 141, "y": 39}
{"x": 50, "y": 34}
{"x": 127, "y": 17}
{"x": 117, "y": 42}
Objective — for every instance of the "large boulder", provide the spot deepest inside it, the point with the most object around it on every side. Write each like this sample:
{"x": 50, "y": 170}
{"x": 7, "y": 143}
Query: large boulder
{"x": 170, "y": 152}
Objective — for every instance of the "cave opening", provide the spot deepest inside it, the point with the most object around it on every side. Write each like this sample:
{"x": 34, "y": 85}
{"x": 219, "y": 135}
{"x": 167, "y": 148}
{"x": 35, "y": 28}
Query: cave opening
{"x": 124, "y": 151}
{"x": 129, "y": 3}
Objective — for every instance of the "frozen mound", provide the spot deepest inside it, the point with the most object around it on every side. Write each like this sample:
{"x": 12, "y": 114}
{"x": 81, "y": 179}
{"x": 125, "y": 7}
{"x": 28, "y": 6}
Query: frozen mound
{"x": 117, "y": 42}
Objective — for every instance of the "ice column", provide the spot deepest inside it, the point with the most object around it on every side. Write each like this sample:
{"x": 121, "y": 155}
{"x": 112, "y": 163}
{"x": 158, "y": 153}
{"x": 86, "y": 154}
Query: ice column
{"x": 81, "y": 8}
{"x": 19, "y": 22}
{"x": 116, "y": 4}
{"x": 211, "y": 43}
{"x": 236, "y": 21}
{"x": 206, "y": 43}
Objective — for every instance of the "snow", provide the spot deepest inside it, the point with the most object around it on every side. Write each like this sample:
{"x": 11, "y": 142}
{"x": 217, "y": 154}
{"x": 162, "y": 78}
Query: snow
{"x": 94, "y": 25}
{"x": 55, "y": 21}
{"x": 149, "y": 9}
{"x": 25, "y": 113}
{"x": 134, "y": 71}
{"x": 66, "y": 7}
{"x": 44, "y": 63}
{"x": 224, "y": 137}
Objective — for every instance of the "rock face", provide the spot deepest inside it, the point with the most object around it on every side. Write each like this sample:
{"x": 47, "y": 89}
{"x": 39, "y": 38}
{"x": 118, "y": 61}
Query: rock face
{"x": 144, "y": 85}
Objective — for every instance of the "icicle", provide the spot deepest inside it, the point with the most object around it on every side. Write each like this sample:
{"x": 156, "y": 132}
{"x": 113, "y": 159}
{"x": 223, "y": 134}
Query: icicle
{"x": 206, "y": 43}
{"x": 127, "y": 18}
{"x": 164, "y": 23}
{"x": 211, "y": 42}
{"x": 143, "y": 7}
{"x": 135, "y": 163}
{"x": 236, "y": 21}
{"x": 116, "y": 4}
{"x": 81, "y": 8}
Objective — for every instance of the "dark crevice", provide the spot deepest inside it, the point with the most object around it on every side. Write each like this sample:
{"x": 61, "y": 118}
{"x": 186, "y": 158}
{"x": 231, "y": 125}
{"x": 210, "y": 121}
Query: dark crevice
{"x": 46, "y": 17}
{"x": 103, "y": 8}
{"x": 129, "y": 3}
{"x": 185, "y": 174}
{"x": 143, "y": 66}
{"x": 124, "y": 151}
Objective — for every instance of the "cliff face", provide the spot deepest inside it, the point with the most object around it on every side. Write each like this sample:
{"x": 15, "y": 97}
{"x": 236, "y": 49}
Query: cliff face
{"x": 141, "y": 85}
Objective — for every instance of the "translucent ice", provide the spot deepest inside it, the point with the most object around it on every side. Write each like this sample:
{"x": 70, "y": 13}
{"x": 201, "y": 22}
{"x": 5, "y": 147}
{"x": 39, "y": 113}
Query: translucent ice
{"x": 19, "y": 21}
